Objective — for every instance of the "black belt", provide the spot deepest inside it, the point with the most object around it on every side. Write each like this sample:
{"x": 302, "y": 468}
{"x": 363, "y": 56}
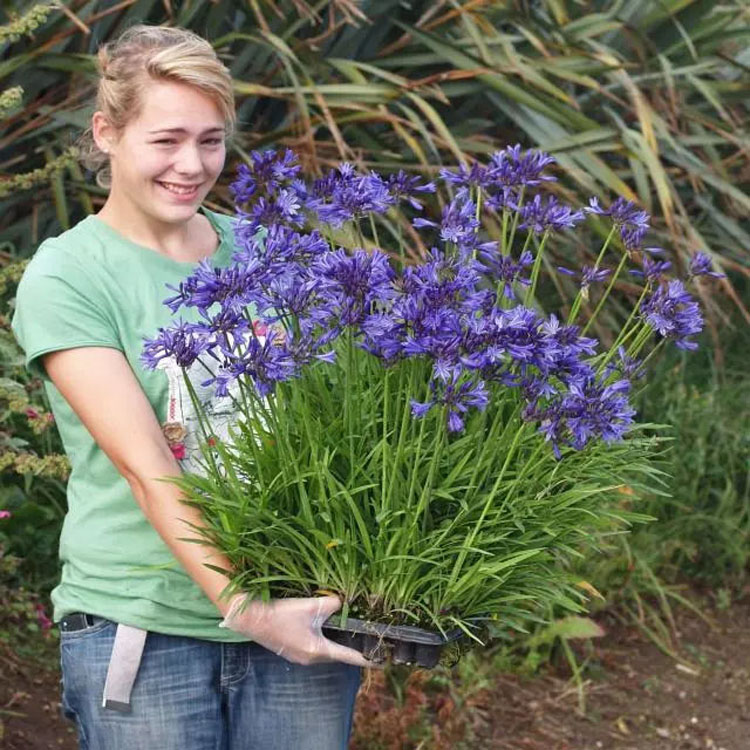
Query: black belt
{"x": 78, "y": 621}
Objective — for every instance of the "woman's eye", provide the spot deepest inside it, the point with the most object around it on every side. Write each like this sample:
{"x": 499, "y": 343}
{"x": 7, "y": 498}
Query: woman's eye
{"x": 210, "y": 141}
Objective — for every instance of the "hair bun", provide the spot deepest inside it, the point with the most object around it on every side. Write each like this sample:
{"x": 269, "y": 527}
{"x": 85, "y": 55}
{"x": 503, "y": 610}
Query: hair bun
{"x": 103, "y": 61}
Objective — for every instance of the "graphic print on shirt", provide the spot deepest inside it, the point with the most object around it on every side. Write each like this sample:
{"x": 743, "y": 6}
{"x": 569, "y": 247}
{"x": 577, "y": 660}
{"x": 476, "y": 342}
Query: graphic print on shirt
{"x": 182, "y": 427}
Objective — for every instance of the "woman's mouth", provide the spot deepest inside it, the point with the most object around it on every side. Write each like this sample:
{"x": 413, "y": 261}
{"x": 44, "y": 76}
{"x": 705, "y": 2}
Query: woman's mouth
{"x": 183, "y": 193}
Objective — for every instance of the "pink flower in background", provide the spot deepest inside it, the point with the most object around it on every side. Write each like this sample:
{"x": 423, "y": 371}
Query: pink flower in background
{"x": 32, "y": 413}
{"x": 44, "y": 622}
{"x": 5, "y": 514}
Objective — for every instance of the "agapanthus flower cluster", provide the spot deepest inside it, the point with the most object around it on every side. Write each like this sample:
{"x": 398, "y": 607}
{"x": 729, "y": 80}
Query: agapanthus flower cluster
{"x": 700, "y": 265}
{"x": 632, "y": 222}
{"x": 509, "y": 174}
{"x": 674, "y": 313}
{"x": 540, "y": 215}
{"x": 587, "y": 276}
{"x": 457, "y": 309}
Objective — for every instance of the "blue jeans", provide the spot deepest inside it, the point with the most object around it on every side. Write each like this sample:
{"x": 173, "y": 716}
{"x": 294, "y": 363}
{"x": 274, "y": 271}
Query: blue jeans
{"x": 192, "y": 694}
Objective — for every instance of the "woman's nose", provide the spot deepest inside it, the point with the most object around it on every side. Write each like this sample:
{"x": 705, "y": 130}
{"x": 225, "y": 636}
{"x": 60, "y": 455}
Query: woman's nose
{"x": 189, "y": 160}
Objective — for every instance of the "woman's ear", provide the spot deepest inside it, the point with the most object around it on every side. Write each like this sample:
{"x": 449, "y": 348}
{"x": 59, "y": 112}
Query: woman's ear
{"x": 103, "y": 132}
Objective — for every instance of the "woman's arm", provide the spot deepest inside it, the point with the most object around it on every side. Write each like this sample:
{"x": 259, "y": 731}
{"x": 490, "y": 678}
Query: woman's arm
{"x": 129, "y": 433}
{"x": 101, "y": 388}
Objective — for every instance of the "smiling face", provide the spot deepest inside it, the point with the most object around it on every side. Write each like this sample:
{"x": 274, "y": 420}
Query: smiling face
{"x": 165, "y": 160}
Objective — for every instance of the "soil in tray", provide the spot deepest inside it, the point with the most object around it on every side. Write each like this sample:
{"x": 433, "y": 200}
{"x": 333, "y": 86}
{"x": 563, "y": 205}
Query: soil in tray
{"x": 400, "y": 644}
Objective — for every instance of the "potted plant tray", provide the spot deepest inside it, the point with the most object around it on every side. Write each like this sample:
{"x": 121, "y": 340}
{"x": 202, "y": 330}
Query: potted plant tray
{"x": 399, "y": 644}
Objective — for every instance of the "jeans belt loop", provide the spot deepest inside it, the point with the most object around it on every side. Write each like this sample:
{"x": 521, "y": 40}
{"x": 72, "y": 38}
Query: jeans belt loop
{"x": 123, "y": 667}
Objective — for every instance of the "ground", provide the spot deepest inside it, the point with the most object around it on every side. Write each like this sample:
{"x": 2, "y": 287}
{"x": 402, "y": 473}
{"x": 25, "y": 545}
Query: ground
{"x": 636, "y": 698}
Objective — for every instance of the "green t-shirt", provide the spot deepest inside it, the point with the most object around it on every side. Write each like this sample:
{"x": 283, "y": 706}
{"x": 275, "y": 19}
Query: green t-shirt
{"x": 90, "y": 286}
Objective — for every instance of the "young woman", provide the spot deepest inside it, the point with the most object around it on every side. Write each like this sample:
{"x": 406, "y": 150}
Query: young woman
{"x": 152, "y": 656}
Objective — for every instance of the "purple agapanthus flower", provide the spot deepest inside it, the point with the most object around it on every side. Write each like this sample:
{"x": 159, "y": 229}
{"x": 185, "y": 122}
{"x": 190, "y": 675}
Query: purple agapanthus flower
{"x": 183, "y": 341}
{"x": 447, "y": 311}
{"x": 632, "y": 221}
{"x": 700, "y": 265}
{"x": 477, "y": 175}
{"x": 540, "y": 216}
{"x": 629, "y": 367}
{"x": 589, "y": 409}
{"x": 511, "y": 167}
{"x": 592, "y": 409}
{"x": 267, "y": 172}
{"x": 207, "y": 286}
{"x": 345, "y": 196}
{"x": 457, "y": 394}
{"x": 350, "y": 284}
{"x": 459, "y": 224}
{"x": 402, "y": 186}
{"x": 265, "y": 363}
{"x": 674, "y": 313}
{"x": 511, "y": 171}
{"x": 504, "y": 269}
{"x": 652, "y": 270}
{"x": 282, "y": 208}
{"x": 587, "y": 276}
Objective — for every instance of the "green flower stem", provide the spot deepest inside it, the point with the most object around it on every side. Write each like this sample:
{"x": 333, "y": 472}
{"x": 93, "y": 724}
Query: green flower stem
{"x": 516, "y": 214}
{"x": 374, "y": 231}
{"x": 625, "y": 332}
{"x": 251, "y": 419}
{"x": 611, "y": 284}
{"x": 205, "y": 427}
{"x": 642, "y": 331}
{"x": 504, "y": 250}
{"x": 611, "y": 353}
{"x": 350, "y": 400}
{"x": 291, "y": 457}
{"x": 579, "y": 297}
{"x": 478, "y": 214}
{"x": 359, "y": 234}
{"x": 527, "y": 468}
{"x": 636, "y": 309}
{"x": 417, "y": 459}
{"x": 537, "y": 265}
{"x": 658, "y": 346}
{"x": 504, "y": 301}
{"x": 640, "y": 340}
{"x": 385, "y": 457}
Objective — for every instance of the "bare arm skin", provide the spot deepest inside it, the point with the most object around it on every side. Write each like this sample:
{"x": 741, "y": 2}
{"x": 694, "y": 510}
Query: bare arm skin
{"x": 129, "y": 433}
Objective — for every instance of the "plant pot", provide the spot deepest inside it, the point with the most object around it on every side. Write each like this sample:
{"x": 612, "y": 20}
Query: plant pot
{"x": 400, "y": 644}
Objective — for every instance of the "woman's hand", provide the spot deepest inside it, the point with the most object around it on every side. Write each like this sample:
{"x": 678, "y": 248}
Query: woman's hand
{"x": 291, "y": 628}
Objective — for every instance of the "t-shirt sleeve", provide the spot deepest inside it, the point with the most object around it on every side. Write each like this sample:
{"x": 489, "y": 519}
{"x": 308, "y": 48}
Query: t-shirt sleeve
{"x": 58, "y": 307}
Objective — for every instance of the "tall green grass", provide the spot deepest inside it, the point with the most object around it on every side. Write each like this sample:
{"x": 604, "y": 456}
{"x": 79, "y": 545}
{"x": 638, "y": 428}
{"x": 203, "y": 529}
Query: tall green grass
{"x": 701, "y": 532}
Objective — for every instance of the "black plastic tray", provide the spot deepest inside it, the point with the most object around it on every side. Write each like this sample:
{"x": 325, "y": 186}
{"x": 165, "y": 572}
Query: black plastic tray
{"x": 402, "y": 644}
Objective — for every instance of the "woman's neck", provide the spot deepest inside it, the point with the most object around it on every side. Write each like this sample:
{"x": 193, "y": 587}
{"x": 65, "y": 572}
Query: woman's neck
{"x": 189, "y": 240}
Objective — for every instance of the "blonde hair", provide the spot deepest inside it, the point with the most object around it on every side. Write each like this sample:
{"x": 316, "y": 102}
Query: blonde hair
{"x": 142, "y": 54}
